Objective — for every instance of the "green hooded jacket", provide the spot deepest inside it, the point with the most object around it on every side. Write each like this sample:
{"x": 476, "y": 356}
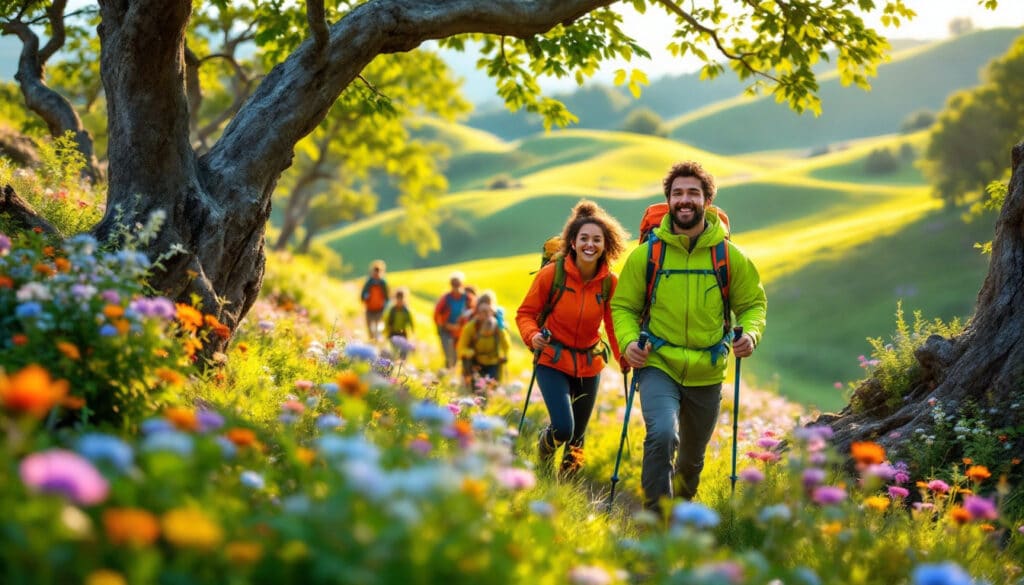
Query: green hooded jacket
{"x": 687, "y": 309}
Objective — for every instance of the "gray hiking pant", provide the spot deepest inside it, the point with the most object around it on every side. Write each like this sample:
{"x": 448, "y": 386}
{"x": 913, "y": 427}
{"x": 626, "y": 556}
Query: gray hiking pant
{"x": 679, "y": 421}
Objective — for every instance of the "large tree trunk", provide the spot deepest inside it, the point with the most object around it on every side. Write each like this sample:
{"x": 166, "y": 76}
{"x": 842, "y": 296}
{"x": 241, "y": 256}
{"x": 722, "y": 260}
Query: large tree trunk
{"x": 984, "y": 364}
{"x": 217, "y": 205}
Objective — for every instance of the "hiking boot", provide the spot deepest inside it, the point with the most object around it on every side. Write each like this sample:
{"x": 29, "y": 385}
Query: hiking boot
{"x": 572, "y": 460}
{"x": 546, "y": 447}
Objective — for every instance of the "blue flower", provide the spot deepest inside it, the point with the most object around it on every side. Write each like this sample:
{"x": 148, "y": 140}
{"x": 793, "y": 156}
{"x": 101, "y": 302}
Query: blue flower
{"x": 697, "y": 515}
{"x": 432, "y": 412}
{"x": 948, "y": 573}
{"x": 155, "y": 425}
{"x": 329, "y": 421}
{"x": 28, "y": 310}
{"x": 108, "y": 330}
{"x": 171, "y": 441}
{"x": 251, "y": 479}
{"x": 360, "y": 351}
{"x": 100, "y": 447}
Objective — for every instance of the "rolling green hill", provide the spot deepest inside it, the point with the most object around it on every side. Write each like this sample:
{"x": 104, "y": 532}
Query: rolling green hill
{"x": 916, "y": 79}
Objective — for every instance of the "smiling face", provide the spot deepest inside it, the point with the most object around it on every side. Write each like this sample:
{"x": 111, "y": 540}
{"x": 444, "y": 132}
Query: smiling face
{"x": 589, "y": 243}
{"x": 686, "y": 203}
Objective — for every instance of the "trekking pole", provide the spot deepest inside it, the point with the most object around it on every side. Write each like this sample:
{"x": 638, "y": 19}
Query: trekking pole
{"x": 640, "y": 343}
{"x": 546, "y": 334}
{"x": 737, "y": 332}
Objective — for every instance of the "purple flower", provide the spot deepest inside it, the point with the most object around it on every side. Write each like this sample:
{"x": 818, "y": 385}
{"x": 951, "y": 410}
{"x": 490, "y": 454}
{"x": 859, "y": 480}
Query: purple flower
{"x": 883, "y": 471}
{"x": 752, "y": 475}
{"x": 902, "y": 472}
{"x": 823, "y": 432}
{"x": 111, "y": 296}
{"x": 812, "y": 476}
{"x": 827, "y": 495}
{"x": 768, "y": 442}
{"x": 65, "y": 473}
{"x": 5, "y": 244}
{"x": 980, "y": 508}
{"x": 402, "y": 344}
{"x": 209, "y": 420}
{"x": 896, "y": 491}
{"x": 948, "y": 573}
{"x": 159, "y": 307}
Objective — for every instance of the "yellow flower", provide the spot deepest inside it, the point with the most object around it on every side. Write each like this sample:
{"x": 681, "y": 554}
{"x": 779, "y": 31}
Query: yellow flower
{"x": 243, "y": 552}
{"x": 831, "y": 529}
{"x": 105, "y": 577}
{"x": 31, "y": 390}
{"x": 191, "y": 528}
{"x": 133, "y": 526}
{"x": 305, "y": 455}
{"x": 877, "y": 503}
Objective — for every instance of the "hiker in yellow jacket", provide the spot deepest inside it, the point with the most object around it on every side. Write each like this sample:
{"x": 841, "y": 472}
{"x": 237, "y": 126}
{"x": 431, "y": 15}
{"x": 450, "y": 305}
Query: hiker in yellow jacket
{"x": 484, "y": 343}
{"x": 688, "y": 321}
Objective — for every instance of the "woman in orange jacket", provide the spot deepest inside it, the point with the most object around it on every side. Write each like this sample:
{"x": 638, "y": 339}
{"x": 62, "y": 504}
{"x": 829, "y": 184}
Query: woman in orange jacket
{"x": 569, "y": 299}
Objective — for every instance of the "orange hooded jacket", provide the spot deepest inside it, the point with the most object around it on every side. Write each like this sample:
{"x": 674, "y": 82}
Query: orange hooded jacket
{"x": 574, "y": 322}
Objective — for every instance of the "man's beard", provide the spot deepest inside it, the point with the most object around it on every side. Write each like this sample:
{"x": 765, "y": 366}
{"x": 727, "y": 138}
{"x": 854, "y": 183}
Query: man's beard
{"x": 697, "y": 219}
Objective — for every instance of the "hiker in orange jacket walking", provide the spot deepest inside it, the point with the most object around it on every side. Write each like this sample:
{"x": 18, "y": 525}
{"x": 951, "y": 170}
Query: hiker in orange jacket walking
{"x": 569, "y": 297}
{"x": 375, "y": 298}
{"x": 448, "y": 317}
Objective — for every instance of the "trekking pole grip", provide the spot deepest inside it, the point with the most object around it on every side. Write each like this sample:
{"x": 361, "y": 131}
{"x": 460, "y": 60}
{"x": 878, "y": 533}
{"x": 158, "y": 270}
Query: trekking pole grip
{"x": 737, "y": 332}
{"x": 642, "y": 340}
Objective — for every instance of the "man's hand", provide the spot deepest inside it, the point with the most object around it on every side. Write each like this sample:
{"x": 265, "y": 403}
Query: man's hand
{"x": 636, "y": 357}
{"x": 743, "y": 347}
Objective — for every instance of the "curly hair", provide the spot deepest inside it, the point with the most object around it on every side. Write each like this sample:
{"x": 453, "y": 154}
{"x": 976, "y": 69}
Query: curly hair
{"x": 691, "y": 169}
{"x": 586, "y": 212}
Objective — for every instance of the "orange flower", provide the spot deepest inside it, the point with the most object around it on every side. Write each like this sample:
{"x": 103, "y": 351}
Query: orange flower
{"x": 133, "y": 526}
{"x": 70, "y": 350}
{"x": 243, "y": 553}
{"x": 189, "y": 317}
{"x": 72, "y": 402}
{"x": 219, "y": 329}
{"x": 43, "y": 269}
{"x": 191, "y": 346}
{"x": 978, "y": 473}
{"x": 242, "y": 347}
{"x": 123, "y": 326}
{"x": 1015, "y": 461}
{"x": 305, "y": 455}
{"x": 182, "y": 418}
{"x": 19, "y": 339}
{"x": 170, "y": 376}
{"x": 349, "y": 383}
{"x": 113, "y": 311}
{"x": 6, "y": 281}
{"x": 475, "y": 488}
{"x": 867, "y": 453}
{"x": 31, "y": 390}
{"x": 967, "y": 460}
{"x": 832, "y": 528}
{"x": 62, "y": 264}
{"x": 960, "y": 515}
{"x": 49, "y": 251}
{"x": 241, "y": 437}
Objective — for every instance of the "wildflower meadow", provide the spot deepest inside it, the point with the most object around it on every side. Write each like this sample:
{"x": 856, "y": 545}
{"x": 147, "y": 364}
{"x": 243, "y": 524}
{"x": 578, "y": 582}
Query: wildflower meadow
{"x": 302, "y": 454}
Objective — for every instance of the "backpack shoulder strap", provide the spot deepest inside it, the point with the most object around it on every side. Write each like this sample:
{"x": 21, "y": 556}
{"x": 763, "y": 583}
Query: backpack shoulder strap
{"x": 720, "y": 265}
{"x": 555, "y": 292}
{"x": 655, "y": 259}
{"x": 606, "y": 288}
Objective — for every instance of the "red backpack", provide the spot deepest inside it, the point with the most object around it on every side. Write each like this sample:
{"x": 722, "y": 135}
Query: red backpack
{"x": 656, "y": 257}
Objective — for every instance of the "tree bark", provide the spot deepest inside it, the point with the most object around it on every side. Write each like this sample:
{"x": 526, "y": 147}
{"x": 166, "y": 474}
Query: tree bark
{"x": 217, "y": 205}
{"x": 22, "y": 215}
{"x": 984, "y": 364}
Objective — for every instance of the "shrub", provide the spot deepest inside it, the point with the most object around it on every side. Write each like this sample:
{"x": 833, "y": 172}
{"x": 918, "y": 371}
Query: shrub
{"x": 881, "y": 161}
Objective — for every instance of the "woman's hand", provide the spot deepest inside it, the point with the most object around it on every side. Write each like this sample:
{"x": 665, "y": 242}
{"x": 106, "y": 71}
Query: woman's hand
{"x": 538, "y": 341}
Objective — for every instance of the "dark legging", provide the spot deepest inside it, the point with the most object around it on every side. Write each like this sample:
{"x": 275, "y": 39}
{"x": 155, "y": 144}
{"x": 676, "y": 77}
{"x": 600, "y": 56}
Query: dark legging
{"x": 569, "y": 400}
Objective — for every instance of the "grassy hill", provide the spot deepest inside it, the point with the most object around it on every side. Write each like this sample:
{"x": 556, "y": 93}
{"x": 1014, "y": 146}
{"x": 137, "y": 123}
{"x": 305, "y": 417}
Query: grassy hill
{"x": 916, "y": 79}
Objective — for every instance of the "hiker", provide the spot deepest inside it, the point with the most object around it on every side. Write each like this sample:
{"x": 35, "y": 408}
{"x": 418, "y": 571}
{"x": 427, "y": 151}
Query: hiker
{"x": 398, "y": 322}
{"x": 569, "y": 363}
{"x": 483, "y": 344}
{"x": 375, "y": 298}
{"x": 447, "y": 313}
{"x": 687, "y": 318}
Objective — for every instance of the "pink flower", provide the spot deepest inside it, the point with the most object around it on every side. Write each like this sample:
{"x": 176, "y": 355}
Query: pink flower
{"x": 923, "y": 506}
{"x": 768, "y": 443}
{"x": 515, "y": 478}
{"x": 838, "y": 385}
{"x": 827, "y": 495}
{"x": 293, "y": 406}
{"x": 303, "y": 384}
{"x": 587, "y": 575}
{"x": 938, "y": 486}
{"x": 65, "y": 473}
{"x": 896, "y": 491}
{"x": 752, "y": 475}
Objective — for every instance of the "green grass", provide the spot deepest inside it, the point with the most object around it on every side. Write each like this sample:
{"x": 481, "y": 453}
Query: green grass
{"x": 907, "y": 84}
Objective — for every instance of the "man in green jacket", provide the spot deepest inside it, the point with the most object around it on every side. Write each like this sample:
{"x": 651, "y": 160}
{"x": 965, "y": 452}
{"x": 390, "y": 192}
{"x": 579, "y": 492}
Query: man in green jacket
{"x": 680, "y": 372}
